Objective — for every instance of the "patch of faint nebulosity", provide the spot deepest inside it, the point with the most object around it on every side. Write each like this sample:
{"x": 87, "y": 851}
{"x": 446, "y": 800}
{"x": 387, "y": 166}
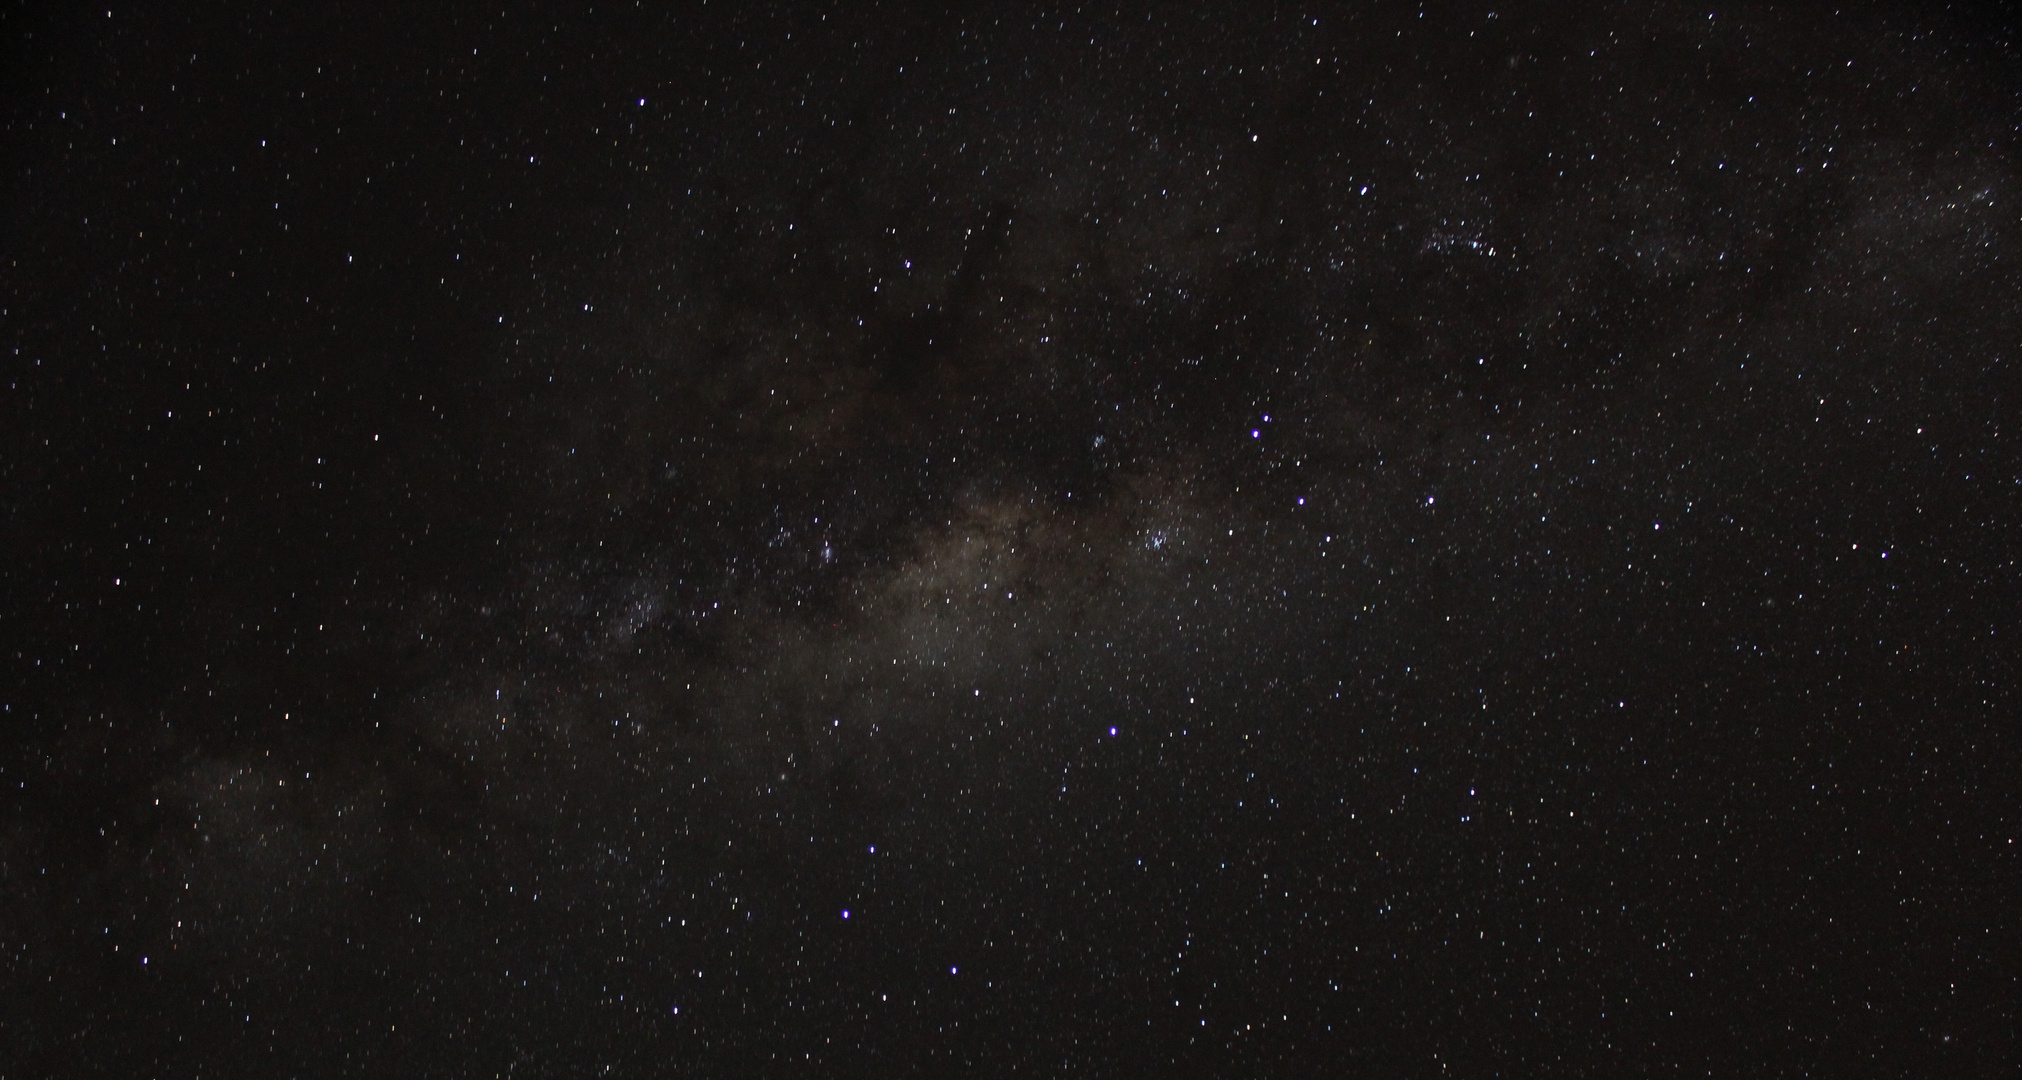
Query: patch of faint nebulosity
{"x": 639, "y": 605}
{"x": 260, "y": 854}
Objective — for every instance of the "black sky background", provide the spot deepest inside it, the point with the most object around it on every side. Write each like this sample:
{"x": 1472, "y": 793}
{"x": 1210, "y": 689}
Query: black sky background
{"x": 1251, "y": 541}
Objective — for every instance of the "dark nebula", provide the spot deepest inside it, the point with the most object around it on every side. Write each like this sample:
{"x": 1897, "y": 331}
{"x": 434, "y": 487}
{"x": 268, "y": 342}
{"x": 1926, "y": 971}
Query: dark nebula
{"x": 730, "y": 539}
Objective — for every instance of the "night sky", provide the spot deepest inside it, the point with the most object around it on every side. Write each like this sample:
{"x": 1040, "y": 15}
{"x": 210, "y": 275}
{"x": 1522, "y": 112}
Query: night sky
{"x": 1240, "y": 540}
